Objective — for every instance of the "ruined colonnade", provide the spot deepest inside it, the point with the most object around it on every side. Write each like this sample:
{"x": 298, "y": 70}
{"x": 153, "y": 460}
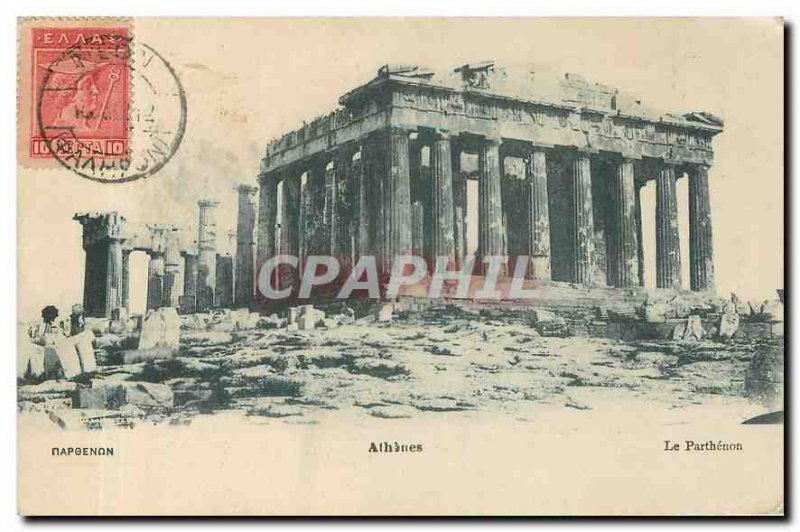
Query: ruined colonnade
{"x": 351, "y": 185}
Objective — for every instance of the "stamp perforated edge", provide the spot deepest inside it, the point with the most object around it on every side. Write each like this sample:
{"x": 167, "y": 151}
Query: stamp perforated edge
{"x": 25, "y": 103}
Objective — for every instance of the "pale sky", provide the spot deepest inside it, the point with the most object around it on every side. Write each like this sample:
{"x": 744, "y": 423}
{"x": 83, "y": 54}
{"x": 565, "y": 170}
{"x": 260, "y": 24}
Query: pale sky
{"x": 248, "y": 81}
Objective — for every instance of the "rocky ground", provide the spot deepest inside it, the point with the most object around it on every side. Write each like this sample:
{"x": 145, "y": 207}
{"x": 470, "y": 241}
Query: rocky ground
{"x": 441, "y": 359}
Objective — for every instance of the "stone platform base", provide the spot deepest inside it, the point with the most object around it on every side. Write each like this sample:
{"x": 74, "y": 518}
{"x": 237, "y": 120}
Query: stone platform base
{"x": 566, "y": 296}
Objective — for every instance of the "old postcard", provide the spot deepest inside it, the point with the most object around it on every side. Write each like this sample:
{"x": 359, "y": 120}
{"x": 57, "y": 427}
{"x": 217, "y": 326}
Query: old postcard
{"x": 400, "y": 266}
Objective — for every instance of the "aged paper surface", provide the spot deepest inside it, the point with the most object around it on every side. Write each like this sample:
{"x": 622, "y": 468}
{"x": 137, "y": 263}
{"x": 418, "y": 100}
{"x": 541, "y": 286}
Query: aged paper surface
{"x": 400, "y": 266}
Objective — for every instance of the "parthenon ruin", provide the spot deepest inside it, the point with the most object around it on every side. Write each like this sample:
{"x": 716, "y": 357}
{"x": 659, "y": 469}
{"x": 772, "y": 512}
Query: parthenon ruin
{"x": 557, "y": 170}
{"x": 385, "y": 175}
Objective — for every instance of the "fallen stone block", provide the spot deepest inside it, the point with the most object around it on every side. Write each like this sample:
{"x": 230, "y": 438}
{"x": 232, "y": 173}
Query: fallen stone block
{"x": 694, "y": 328}
{"x": 148, "y": 394}
{"x": 312, "y": 313}
{"x": 306, "y": 322}
{"x": 62, "y": 356}
{"x": 195, "y": 322}
{"x": 30, "y": 359}
{"x": 679, "y": 331}
{"x": 160, "y": 329}
{"x": 728, "y": 324}
{"x": 772, "y": 311}
{"x": 99, "y": 396}
{"x": 385, "y": 313}
{"x": 691, "y": 330}
{"x": 655, "y": 313}
{"x": 541, "y": 317}
{"x": 94, "y": 398}
{"x": 239, "y": 318}
{"x": 83, "y": 345}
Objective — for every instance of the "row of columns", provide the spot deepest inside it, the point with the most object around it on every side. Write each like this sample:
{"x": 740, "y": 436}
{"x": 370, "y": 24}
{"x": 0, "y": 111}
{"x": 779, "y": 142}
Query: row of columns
{"x": 368, "y": 199}
{"x": 208, "y": 278}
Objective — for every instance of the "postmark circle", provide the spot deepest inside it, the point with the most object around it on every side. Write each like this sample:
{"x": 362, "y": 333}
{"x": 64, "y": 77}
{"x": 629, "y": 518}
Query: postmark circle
{"x": 111, "y": 113}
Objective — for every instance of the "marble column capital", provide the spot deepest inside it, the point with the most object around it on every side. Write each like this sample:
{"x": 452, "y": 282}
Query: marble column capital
{"x": 492, "y": 141}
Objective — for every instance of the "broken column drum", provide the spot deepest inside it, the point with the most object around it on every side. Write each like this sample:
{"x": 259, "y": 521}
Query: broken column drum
{"x": 206, "y": 254}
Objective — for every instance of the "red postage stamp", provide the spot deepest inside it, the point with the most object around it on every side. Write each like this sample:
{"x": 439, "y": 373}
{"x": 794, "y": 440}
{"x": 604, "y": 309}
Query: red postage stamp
{"x": 79, "y": 91}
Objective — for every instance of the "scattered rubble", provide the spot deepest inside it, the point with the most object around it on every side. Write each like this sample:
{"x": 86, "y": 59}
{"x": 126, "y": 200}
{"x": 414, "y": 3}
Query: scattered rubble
{"x": 433, "y": 358}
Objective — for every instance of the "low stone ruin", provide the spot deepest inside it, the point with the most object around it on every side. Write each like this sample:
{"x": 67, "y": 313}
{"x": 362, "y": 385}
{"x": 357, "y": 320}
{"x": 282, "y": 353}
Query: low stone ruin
{"x": 165, "y": 366}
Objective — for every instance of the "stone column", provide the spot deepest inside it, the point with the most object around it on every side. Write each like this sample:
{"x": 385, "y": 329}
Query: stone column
{"x": 342, "y": 206}
{"x": 362, "y": 204}
{"x": 378, "y": 168}
{"x": 290, "y": 222}
{"x": 267, "y": 211}
{"x": 290, "y": 226}
{"x": 206, "y": 255}
{"x": 329, "y": 208}
{"x": 102, "y": 242}
{"x": 189, "y": 298}
{"x": 701, "y": 251}
{"x": 624, "y": 247}
{"x": 583, "y": 231}
{"x": 126, "y": 279}
{"x": 172, "y": 268}
{"x": 155, "y": 280}
{"x": 639, "y": 234}
{"x": 417, "y": 229}
{"x": 538, "y": 217}
{"x": 245, "y": 224}
{"x": 114, "y": 275}
{"x": 317, "y": 237}
{"x": 443, "y": 217}
{"x": 668, "y": 251}
{"x": 223, "y": 295}
{"x": 490, "y": 204}
{"x": 459, "y": 203}
{"x": 397, "y": 198}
